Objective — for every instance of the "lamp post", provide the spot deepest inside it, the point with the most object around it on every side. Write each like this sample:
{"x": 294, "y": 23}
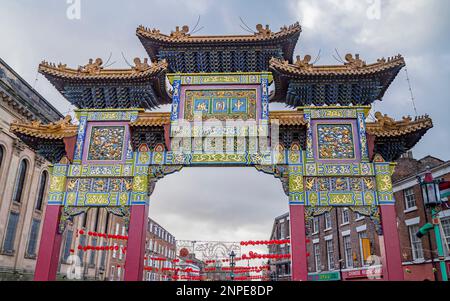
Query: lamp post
{"x": 431, "y": 199}
{"x": 232, "y": 264}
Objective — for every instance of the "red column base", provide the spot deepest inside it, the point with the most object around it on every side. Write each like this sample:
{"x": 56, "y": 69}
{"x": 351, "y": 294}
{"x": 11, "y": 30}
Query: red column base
{"x": 137, "y": 230}
{"x": 299, "y": 262}
{"x": 49, "y": 246}
{"x": 390, "y": 245}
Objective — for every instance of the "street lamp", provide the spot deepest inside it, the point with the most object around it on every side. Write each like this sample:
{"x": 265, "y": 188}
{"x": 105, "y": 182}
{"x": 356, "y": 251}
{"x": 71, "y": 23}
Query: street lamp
{"x": 430, "y": 190}
{"x": 232, "y": 264}
{"x": 431, "y": 199}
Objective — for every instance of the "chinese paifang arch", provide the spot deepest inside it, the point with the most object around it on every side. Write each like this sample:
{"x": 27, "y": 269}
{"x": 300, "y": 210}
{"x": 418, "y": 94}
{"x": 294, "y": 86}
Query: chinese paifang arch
{"x": 327, "y": 155}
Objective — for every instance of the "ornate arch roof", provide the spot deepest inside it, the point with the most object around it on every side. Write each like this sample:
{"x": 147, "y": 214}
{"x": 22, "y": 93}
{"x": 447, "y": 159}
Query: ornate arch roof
{"x": 188, "y": 53}
{"x": 354, "y": 82}
{"x": 94, "y": 86}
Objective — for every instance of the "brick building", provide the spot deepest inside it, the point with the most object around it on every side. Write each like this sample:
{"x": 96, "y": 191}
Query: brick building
{"x": 416, "y": 254}
{"x": 280, "y": 269}
{"x": 95, "y": 265}
{"x": 109, "y": 265}
{"x": 341, "y": 239}
{"x": 160, "y": 244}
{"x": 338, "y": 243}
{"x": 23, "y": 176}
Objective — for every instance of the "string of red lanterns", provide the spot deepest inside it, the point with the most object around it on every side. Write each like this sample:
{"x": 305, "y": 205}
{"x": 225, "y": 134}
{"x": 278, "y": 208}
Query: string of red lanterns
{"x": 243, "y": 278}
{"x": 186, "y": 277}
{"x": 265, "y": 242}
{"x": 238, "y": 268}
{"x": 104, "y": 235}
{"x": 166, "y": 269}
{"x": 254, "y": 255}
{"x": 101, "y": 248}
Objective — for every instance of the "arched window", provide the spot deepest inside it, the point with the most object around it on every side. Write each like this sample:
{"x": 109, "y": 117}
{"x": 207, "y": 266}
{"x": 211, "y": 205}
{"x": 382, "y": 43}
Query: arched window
{"x": 2, "y": 152}
{"x": 20, "y": 181}
{"x": 41, "y": 192}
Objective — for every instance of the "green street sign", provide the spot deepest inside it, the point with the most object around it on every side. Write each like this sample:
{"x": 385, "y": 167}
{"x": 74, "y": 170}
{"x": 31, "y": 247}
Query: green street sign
{"x": 331, "y": 276}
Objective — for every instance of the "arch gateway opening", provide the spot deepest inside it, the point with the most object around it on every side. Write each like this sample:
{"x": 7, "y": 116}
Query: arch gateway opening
{"x": 322, "y": 149}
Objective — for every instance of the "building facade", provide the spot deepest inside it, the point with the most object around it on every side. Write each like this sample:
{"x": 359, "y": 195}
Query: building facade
{"x": 160, "y": 253}
{"x": 280, "y": 269}
{"x": 24, "y": 176}
{"x": 333, "y": 258}
{"x": 109, "y": 264}
{"x": 341, "y": 244}
{"x": 418, "y": 254}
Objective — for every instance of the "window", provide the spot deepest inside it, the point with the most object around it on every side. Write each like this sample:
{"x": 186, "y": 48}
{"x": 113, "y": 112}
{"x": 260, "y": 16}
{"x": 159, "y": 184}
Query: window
{"x": 32, "y": 241}
{"x": 364, "y": 247}
{"x": 97, "y": 216}
{"x": 80, "y": 251}
{"x": 20, "y": 181}
{"x": 119, "y": 272}
{"x": 416, "y": 243}
{"x": 8, "y": 244}
{"x": 114, "y": 255}
{"x": 446, "y": 237}
{"x": 345, "y": 216}
{"x": 92, "y": 255}
{"x": 317, "y": 257}
{"x": 330, "y": 254}
{"x": 85, "y": 216}
{"x": 2, "y": 153}
{"x": 348, "y": 251}
{"x": 358, "y": 216}
{"x": 120, "y": 252}
{"x": 103, "y": 258}
{"x": 316, "y": 224}
{"x": 67, "y": 245}
{"x": 410, "y": 198}
{"x": 107, "y": 222}
{"x": 327, "y": 220}
{"x": 41, "y": 192}
{"x": 282, "y": 230}
{"x": 113, "y": 273}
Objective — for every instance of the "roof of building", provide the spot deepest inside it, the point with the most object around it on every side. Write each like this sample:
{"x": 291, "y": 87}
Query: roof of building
{"x": 151, "y": 119}
{"x": 354, "y": 82}
{"x": 285, "y": 118}
{"x": 94, "y": 86}
{"x": 385, "y": 126}
{"x": 23, "y": 97}
{"x": 393, "y": 138}
{"x": 408, "y": 169}
{"x": 94, "y": 71}
{"x": 55, "y": 130}
{"x": 188, "y": 53}
{"x": 183, "y": 36}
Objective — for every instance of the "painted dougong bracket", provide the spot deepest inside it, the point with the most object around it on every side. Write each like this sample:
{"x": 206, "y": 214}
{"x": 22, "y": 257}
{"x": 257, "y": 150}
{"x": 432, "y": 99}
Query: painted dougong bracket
{"x": 157, "y": 172}
{"x": 279, "y": 172}
{"x": 373, "y": 212}
{"x": 67, "y": 214}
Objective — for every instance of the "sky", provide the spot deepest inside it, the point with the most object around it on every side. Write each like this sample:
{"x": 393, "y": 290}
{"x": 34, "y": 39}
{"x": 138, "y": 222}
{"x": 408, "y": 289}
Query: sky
{"x": 235, "y": 204}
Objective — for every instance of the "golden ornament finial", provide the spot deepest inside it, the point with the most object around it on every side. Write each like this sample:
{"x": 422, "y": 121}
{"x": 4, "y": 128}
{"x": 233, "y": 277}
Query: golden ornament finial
{"x": 92, "y": 67}
{"x": 355, "y": 62}
{"x": 303, "y": 63}
{"x": 263, "y": 31}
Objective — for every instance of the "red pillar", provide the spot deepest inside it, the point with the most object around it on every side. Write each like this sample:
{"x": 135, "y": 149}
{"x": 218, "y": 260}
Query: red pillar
{"x": 137, "y": 229}
{"x": 299, "y": 263}
{"x": 49, "y": 246}
{"x": 390, "y": 245}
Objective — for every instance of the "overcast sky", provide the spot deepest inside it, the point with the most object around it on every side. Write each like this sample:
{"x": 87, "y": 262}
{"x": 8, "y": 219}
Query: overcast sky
{"x": 239, "y": 203}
